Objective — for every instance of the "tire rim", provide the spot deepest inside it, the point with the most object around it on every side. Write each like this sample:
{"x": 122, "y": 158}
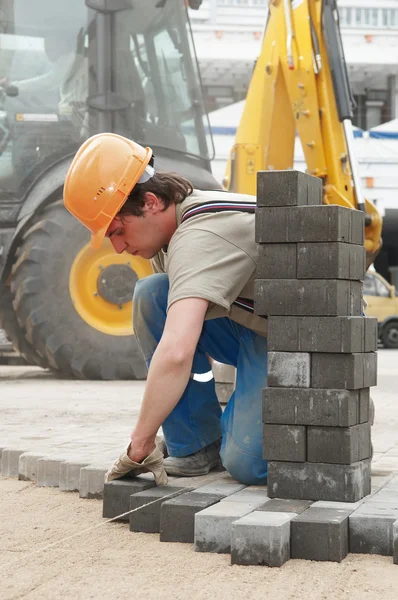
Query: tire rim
{"x": 101, "y": 286}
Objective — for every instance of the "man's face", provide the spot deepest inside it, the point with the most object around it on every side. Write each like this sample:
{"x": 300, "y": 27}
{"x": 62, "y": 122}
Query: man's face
{"x": 141, "y": 236}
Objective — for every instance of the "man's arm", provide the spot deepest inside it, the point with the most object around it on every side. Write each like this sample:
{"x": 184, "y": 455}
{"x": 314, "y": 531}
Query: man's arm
{"x": 169, "y": 372}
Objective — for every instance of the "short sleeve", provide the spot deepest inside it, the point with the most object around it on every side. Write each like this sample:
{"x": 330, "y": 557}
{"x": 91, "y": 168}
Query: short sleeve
{"x": 202, "y": 264}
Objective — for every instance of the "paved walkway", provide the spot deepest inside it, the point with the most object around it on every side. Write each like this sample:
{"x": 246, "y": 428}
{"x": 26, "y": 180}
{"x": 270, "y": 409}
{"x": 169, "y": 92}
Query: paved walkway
{"x": 91, "y": 421}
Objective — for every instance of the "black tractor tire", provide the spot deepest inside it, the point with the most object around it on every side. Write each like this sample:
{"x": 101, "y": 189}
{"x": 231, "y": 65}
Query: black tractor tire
{"x": 389, "y": 335}
{"x": 15, "y": 333}
{"x": 44, "y": 308}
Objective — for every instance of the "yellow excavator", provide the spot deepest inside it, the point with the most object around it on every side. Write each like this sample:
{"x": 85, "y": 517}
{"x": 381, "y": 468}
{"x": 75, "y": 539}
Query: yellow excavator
{"x": 300, "y": 85}
{"x": 72, "y": 69}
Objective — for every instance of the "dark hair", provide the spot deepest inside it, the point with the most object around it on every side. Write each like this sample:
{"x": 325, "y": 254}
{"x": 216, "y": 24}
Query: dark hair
{"x": 171, "y": 188}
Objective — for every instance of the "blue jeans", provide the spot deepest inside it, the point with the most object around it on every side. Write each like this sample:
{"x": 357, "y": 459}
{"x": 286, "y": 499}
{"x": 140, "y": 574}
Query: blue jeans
{"x": 197, "y": 420}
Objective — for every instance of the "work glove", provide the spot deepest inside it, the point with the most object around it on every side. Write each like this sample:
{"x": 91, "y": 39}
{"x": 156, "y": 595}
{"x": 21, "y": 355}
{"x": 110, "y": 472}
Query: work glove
{"x": 151, "y": 464}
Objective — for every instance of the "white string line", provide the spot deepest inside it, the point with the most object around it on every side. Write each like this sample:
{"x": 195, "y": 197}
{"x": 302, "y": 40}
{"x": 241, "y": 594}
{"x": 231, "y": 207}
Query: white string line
{"x": 70, "y": 537}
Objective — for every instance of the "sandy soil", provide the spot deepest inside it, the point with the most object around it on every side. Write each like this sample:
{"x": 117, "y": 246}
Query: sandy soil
{"x": 111, "y": 563}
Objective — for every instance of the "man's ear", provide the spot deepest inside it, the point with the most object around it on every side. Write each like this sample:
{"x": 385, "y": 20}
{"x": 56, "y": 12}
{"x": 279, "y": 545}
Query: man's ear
{"x": 153, "y": 204}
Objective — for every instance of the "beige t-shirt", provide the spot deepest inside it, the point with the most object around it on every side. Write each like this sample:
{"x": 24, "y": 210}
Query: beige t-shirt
{"x": 213, "y": 256}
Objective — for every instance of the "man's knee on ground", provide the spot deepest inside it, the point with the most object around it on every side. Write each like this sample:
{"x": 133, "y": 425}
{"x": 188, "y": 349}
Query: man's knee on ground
{"x": 245, "y": 468}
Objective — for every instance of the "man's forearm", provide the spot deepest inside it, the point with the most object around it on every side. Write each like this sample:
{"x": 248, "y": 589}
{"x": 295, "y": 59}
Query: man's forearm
{"x": 168, "y": 376}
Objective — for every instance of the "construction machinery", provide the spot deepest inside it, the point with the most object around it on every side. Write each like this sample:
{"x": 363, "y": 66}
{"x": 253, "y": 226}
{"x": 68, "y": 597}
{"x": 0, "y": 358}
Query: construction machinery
{"x": 300, "y": 86}
{"x": 69, "y": 70}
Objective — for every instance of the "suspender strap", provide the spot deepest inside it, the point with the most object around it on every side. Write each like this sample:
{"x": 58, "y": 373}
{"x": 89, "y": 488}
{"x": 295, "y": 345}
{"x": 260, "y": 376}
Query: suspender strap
{"x": 216, "y": 207}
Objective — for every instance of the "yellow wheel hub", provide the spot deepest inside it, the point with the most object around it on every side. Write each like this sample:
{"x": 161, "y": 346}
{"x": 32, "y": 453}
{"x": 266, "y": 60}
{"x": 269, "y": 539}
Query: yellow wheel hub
{"x": 101, "y": 286}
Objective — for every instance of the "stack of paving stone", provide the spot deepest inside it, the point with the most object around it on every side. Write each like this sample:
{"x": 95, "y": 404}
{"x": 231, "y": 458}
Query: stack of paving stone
{"x": 322, "y": 351}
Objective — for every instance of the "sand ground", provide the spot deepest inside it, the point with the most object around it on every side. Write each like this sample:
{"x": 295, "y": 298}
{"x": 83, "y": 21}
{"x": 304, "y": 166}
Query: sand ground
{"x": 110, "y": 562}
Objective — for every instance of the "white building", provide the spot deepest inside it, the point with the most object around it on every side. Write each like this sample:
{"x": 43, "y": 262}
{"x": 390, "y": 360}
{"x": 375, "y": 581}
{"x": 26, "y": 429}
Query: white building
{"x": 228, "y": 36}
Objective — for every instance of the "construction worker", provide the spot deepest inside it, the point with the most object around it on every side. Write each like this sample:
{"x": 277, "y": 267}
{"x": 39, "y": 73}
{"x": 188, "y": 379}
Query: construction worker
{"x": 199, "y": 303}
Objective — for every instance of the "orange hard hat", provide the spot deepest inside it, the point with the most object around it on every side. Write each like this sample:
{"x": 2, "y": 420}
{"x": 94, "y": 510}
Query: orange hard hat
{"x": 102, "y": 174}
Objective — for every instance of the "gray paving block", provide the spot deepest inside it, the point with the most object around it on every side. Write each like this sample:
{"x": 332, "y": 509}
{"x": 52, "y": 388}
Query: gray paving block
{"x": 395, "y": 542}
{"x": 365, "y": 403}
{"x": 327, "y": 223}
{"x": 289, "y": 369}
{"x": 371, "y": 334}
{"x": 324, "y": 407}
{"x": 331, "y": 260}
{"x": 320, "y": 534}
{"x": 117, "y": 495}
{"x": 285, "y": 505}
{"x": 349, "y": 506}
{"x": 346, "y": 371}
{"x": 285, "y": 442}
{"x": 147, "y": 519}
{"x": 319, "y": 481}
{"x": 10, "y": 462}
{"x": 223, "y": 487}
{"x": 91, "y": 483}
{"x": 288, "y": 188}
{"x": 372, "y": 532}
{"x": 340, "y": 445}
{"x": 69, "y": 475}
{"x": 27, "y": 466}
{"x": 177, "y": 516}
{"x": 277, "y": 261}
{"x": 253, "y": 495}
{"x": 213, "y": 525}
{"x": 322, "y": 334}
{"x": 48, "y": 471}
{"x": 308, "y": 297}
{"x": 261, "y": 538}
{"x": 385, "y": 498}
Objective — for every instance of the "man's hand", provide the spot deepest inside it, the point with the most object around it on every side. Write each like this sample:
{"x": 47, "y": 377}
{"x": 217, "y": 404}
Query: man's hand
{"x": 151, "y": 463}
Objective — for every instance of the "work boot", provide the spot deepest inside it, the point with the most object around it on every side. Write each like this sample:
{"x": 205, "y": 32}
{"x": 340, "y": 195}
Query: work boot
{"x": 198, "y": 463}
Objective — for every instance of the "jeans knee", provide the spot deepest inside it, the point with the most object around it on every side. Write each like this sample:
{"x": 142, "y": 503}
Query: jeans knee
{"x": 150, "y": 296}
{"x": 246, "y": 468}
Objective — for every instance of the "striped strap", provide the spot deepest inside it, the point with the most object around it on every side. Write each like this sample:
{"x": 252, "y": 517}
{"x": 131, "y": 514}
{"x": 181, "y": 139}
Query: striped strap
{"x": 215, "y": 207}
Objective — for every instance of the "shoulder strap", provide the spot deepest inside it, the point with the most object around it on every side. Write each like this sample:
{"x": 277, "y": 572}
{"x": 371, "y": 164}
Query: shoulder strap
{"x": 215, "y": 207}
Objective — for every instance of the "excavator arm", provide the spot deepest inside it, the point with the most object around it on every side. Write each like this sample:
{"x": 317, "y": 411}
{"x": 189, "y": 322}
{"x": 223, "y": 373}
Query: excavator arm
{"x": 300, "y": 85}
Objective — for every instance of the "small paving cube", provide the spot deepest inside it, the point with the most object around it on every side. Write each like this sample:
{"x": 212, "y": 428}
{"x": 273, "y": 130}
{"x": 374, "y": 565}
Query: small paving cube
{"x": 320, "y": 534}
{"x": 177, "y": 516}
{"x": 371, "y": 530}
{"x": 331, "y": 260}
{"x": 346, "y": 371}
{"x": 284, "y": 442}
{"x": 147, "y": 519}
{"x": 261, "y": 538}
{"x": 340, "y": 445}
{"x": 285, "y": 505}
{"x": 277, "y": 261}
{"x": 289, "y": 369}
{"x": 117, "y": 495}
{"x": 213, "y": 525}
